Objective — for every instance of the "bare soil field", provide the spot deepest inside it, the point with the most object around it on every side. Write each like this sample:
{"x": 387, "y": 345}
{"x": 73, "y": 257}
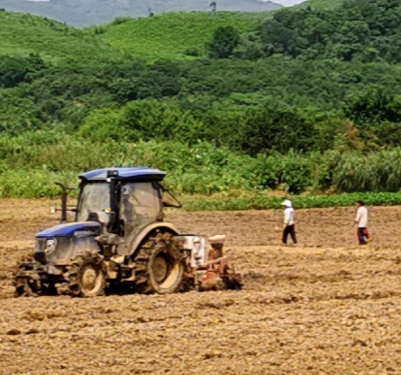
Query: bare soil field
{"x": 326, "y": 306}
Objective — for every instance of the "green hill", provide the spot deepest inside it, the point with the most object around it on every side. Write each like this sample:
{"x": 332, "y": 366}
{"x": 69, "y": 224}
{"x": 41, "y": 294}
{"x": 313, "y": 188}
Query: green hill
{"x": 321, "y": 4}
{"x": 22, "y": 34}
{"x": 172, "y": 35}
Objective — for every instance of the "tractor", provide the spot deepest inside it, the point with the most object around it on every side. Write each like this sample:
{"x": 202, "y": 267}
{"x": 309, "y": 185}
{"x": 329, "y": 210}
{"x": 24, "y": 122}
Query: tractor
{"x": 119, "y": 242}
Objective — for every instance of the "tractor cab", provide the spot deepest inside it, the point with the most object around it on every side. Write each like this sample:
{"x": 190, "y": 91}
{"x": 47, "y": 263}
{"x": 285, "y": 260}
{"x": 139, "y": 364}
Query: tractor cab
{"x": 123, "y": 200}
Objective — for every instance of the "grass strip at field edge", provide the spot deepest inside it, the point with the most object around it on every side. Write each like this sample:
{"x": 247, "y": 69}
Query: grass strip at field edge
{"x": 262, "y": 202}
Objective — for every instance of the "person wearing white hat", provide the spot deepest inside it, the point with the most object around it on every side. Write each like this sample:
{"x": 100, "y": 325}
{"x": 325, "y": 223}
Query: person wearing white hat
{"x": 289, "y": 223}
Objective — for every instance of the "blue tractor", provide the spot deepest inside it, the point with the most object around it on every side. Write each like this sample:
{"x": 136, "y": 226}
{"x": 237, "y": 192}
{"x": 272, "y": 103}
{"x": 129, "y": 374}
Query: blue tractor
{"x": 119, "y": 241}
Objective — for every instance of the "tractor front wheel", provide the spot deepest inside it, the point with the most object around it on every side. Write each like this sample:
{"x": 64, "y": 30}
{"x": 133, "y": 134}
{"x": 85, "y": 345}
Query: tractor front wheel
{"x": 159, "y": 265}
{"x": 87, "y": 275}
{"x": 26, "y": 287}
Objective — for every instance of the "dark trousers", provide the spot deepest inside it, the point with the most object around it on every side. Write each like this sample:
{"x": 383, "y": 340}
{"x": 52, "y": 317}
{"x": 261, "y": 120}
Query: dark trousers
{"x": 289, "y": 230}
{"x": 363, "y": 236}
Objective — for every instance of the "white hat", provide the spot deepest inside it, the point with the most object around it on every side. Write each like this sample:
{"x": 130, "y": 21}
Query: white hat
{"x": 287, "y": 203}
{"x": 219, "y": 239}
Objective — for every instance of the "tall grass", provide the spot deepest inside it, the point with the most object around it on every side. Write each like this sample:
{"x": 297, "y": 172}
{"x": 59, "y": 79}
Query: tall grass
{"x": 201, "y": 168}
{"x": 263, "y": 201}
{"x": 30, "y": 163}
{"x": 37, "y": 183}
{"x": 375, "y": 171}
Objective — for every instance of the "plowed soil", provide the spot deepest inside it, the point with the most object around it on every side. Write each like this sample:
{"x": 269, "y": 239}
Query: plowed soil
{"x": 326, "y": 306}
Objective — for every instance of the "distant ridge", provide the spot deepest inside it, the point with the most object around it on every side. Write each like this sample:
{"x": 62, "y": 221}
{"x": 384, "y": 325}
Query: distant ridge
{"x": 81, "y": 13}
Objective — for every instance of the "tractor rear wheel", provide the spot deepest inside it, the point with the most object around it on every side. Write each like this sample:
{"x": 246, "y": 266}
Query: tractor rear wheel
{"x": 87, "y": 275}
{"x": 159, "y": 266}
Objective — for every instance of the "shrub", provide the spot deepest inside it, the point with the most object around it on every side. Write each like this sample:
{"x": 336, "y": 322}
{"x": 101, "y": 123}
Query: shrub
{"x": 374, "y": 171}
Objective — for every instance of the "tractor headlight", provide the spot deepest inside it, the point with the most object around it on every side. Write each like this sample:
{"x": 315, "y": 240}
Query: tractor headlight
{"x": 50, "y": 245}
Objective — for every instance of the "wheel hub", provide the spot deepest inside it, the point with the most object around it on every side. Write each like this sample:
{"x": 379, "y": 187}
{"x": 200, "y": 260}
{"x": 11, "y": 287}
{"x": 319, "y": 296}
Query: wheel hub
{"x": 160, "y": 269}
{"x": 89, "y": 278}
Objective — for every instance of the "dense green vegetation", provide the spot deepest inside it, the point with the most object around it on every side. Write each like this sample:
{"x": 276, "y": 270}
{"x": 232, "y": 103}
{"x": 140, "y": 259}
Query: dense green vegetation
{"x": 260, "y": 201}
{"x": 321, "y": 4}
{"x": 308, "y": 98}
{"x": 24, "y": 34}
{"x": 174, "y": 35}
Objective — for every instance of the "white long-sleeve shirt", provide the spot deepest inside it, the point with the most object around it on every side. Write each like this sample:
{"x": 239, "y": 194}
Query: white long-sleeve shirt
{"x": 289, "y": 216}
{"x": 362, "y": 217}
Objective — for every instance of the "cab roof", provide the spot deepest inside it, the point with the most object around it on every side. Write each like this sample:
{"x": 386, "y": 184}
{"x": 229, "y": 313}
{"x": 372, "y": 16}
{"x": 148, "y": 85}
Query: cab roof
{"x": 128, "y": 173}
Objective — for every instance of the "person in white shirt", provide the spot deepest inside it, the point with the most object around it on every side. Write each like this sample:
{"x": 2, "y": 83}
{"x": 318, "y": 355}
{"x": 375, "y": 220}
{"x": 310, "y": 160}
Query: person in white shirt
{"x": 289, "y": 223}
{"x": 362, "y": 218}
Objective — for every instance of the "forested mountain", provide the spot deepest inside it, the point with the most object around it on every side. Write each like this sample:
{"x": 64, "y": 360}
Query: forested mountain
{"x": 90, "y": 12}
{"x": 22, "y": 34}
{"x": 320, "y": 4}
{"x": 309, "y": 97}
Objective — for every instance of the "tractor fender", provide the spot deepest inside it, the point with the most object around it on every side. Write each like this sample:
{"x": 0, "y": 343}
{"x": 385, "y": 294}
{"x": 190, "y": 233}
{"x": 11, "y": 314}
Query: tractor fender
{"x": 138, "y": 239}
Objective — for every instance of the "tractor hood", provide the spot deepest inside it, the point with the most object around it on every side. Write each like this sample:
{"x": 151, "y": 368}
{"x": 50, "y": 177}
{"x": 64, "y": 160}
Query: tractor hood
{"x": 84, "y": 229}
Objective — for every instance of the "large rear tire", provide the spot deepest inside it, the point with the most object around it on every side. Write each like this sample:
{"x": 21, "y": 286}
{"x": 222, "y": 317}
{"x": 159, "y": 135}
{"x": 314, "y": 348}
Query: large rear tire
{"x": 87, "y": 275}
{"x": 159, "y": 266}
